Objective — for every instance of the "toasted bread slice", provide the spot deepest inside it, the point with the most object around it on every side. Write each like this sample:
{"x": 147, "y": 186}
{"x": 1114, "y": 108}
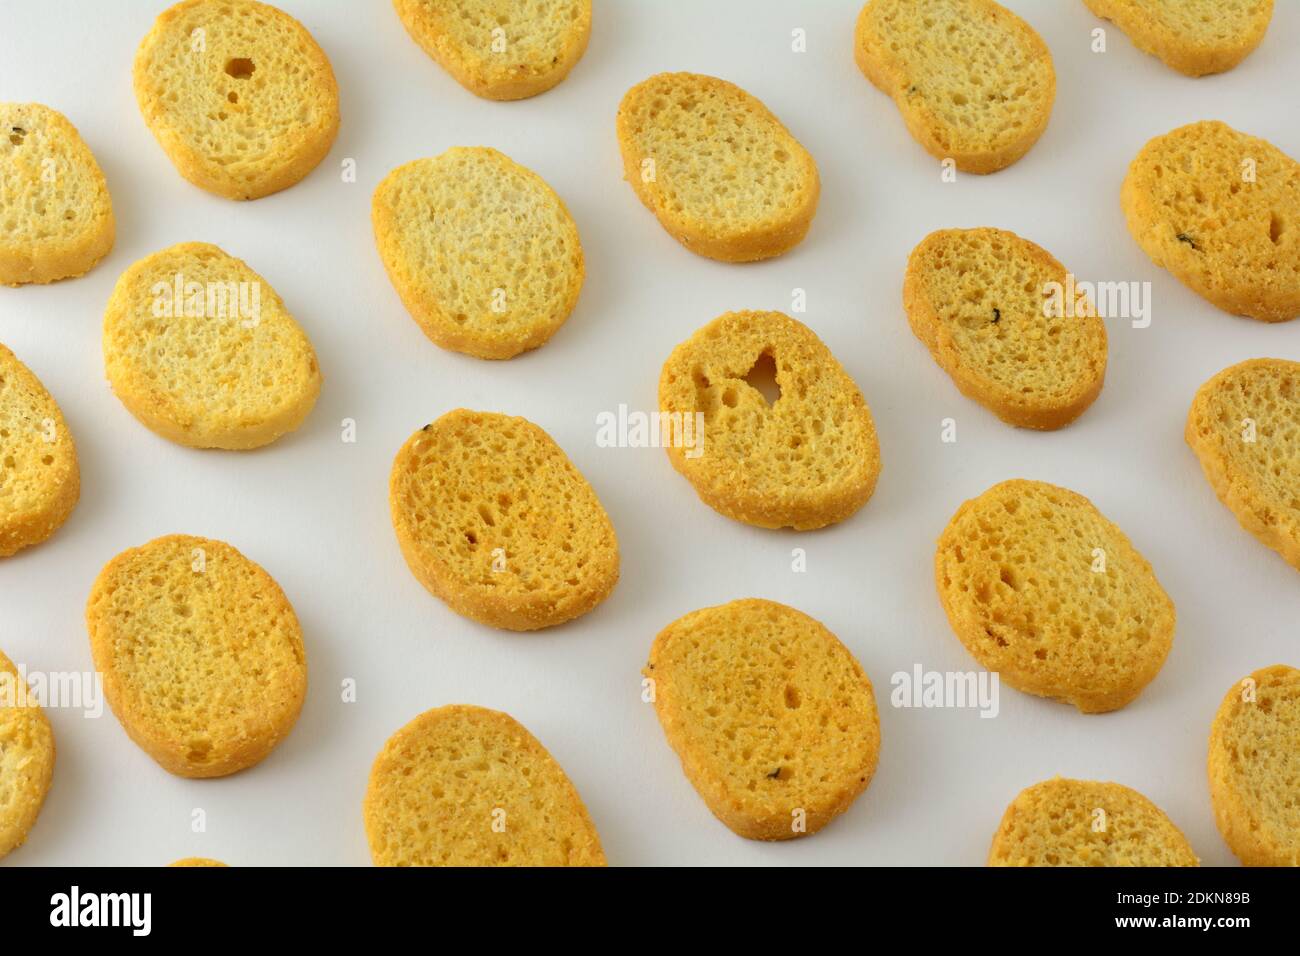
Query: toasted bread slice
{"x": 1046, "y": 592}
{"x": 467, "y": 786}
{"x": 1063, "y": 822}
{"x": 725, "y": 178}
{"x": 774, "y": 720}
{"x": 40, "y": 479}
{"x": 57, "y": 214}
{"x": 1254, "y": 766}
{"x": 200, "y": 652}
{"x": 482, "y": 252}
{"x": 974, "y": 82}
{"x": 1196, "y": 37}
{"x": 1221, "y": 211}
{"x": 198, "y": 861}
{"x": 238, "y": 94}
{"x": 805, "y": 460}
{"x": 501, "y": 49}
{"x": 1242, "y": 426}
{"x": 975, "y": 297}
{"x": 201, "y": 350}
{"x": 26, "y": 757}
{"x": 494, "y": 519}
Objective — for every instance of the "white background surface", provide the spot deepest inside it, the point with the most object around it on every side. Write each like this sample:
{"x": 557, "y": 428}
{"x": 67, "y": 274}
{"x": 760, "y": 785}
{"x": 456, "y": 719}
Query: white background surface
{"x": 313, "y": 510}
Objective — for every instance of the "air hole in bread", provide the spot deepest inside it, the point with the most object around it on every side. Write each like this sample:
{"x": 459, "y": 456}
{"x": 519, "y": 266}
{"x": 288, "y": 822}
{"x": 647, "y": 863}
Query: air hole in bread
{"x": 1275, "y": 228}
{"x": 762, "y": 378}
{"x": 241, "y": 68}
{"x": 16, "y": 135}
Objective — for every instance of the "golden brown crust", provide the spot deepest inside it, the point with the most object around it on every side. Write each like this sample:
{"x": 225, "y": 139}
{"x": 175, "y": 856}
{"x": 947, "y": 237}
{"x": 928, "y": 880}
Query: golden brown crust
{"x": 26, "y": 758}
{"x": 197, "y": 861}
{"x": 1197, "y": 38}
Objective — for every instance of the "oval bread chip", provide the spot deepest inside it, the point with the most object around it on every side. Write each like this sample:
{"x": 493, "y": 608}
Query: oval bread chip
{"x": 238, "y": 94}
{"x": 773, "y": 718}
{"x": 974, "y": 82}
{"x": 482, "y": 252}
{"x": 467, "y": 786}
{"x": 40, "y": 478}
{"x": 26, "y": 757}
{"x": 1041, "y": 588}
{"x": 197, "y": 861}
{"x": 55, "y": 211}
{"x": 803, "y": 456}
{"x": 1221, "y": 211}
{"x": 1063, "y": 822}
{"x": 501, "y": 49}
{"x": 976, "y": 298}
{"x": 725, "y": 178}
{"x": 494, "y": 519}
{"x": 202, "y": 351}
{"x": 201, "y": 654}
{"x": 1196, "y": 37}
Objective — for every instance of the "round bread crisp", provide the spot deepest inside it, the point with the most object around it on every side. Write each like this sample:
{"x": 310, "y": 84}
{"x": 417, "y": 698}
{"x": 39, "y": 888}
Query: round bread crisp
{"x": 494, "y": 519}
{"x": 238, "y": 94}
{"x": 801, "y": 455}
{"x": 1221, "y": 211}
{"x": 720, "y": 172}
{"x": 200, "y": 652}
{"x": 40, "y": 480}
{"x": 467, "y": 786}
{"x": 501, "y": 49}
{"x": 1195, "y": 37}
{"x": 976, "y": 298}
{"x": 203, "y": 352}
{"x": 483, "y": 253}
{"x": 774, "y": 720}
{"x": 1045, "y": 591}
{"x": 56, "y": 217}
{"x": 26, "y": 757}
{"x": 198, "y": 861}
{"x": 1063, "y": 822}
{"x": 1254, "y": 767}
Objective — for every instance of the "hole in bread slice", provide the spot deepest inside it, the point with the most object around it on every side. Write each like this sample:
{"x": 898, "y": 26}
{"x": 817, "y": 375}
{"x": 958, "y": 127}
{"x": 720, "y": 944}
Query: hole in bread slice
{"x": 762, "y": 378}
{"x": 241, "y": 68}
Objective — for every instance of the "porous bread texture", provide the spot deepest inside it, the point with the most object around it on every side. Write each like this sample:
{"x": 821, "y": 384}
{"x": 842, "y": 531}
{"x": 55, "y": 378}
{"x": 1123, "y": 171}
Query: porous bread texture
{"x": 977, "y": 297}
{"x": 26, "y": 759}
{"x": 1015, "y": 574}
{"x": 196, "y": 367}
{"x": 494, "y": 519}
{"x": 974, "y": 82}
{"x": 501, "y": 49}
{"x": 773, "y": 718}
{"x": 238, "y": 94}
{"x": 1221, "y": 211}
{"x": 198, "y": 861}
{"x": 1062, "y": 822}
{"x": 1254, "y": 767}
{"x": 40, "y": 479}
{"x": 468, "y": 786}
{"x": 808, "y": 459}
{"x": 1243, "y": 428}
{"x": 1195, "y": 37}
{"x": 721, "y": 173}
{"x": 482, "y": 252}
{"x": 200, "y": 652}
{"x": 56, "y": 216}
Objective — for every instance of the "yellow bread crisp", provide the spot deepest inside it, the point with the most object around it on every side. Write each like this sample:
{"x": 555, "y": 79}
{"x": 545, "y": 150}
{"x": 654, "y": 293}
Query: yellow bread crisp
{"x": 40, "y": 479}
{"x": 203, "y": 352}
{"x": 197, "y": 861}
{"x": 467, "y": 786}
{"x": 1221, "y": 211}
{"x": 482, "y": 252}
{"x": 1042, "y": 589}
{"x": 200, "y": 652}
{"x": 1196, "y": 37}
{"x": 1242, "y": 427}
{"x": 501, "y": 49}
{"x": 56, "y": 217}
{"x": 774, "y": 720}
{"x": 238, "y": 94}
{"x": 26, "y": 757}
{"x": 976, "y": 298}
{"x": 1254, "y": 767}
{"x": 807, "y": 459}
{"x": 974, "y": 82}
{"x": 494, "y": 519}
{"x": 725, "y": 178}
{"x": 1063, "y": 822}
